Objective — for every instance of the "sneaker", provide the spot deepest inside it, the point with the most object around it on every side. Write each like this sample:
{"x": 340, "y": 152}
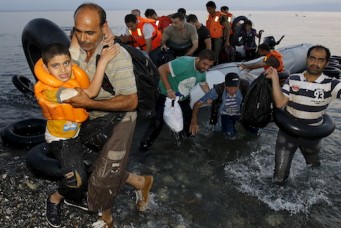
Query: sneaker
{"x": 142, "y": 195}
{"x": 53, "y": 213}
{"x": 83, "y": 205}
{"x": 102, "y": 224}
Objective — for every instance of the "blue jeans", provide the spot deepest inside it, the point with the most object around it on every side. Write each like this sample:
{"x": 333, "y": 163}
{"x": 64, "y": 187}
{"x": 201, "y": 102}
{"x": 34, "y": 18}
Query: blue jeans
{"x": 228, "y": 125}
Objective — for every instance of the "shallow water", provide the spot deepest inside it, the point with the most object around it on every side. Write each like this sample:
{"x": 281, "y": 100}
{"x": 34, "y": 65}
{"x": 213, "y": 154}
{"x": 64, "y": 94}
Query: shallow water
{"x": 208, "y": 181}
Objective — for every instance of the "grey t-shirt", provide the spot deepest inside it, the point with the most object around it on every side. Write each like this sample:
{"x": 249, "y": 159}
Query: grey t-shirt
{"x": 189, "y": 33}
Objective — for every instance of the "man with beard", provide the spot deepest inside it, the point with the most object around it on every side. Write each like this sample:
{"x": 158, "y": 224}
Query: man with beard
{"x": 306, "y": 97}
{"x": 177, "y": 78}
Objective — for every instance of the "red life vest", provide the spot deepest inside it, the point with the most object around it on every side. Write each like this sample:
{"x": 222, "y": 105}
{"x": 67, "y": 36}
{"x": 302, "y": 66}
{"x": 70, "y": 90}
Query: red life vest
{"x": 163, "y": 22}
{"x": 138, "y": 37}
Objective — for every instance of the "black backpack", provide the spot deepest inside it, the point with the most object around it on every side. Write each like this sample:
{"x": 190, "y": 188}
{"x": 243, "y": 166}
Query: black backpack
{"x": 257, "y": 105}
{"x": 147, "y": 80}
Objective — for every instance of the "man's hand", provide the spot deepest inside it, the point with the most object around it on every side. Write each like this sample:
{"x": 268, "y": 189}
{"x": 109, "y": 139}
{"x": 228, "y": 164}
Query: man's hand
{"x": 171, "y": 94}
{"x": 272, "y": 74}
{"x": 164, "y": 47}
{"x": 227, "y": 44}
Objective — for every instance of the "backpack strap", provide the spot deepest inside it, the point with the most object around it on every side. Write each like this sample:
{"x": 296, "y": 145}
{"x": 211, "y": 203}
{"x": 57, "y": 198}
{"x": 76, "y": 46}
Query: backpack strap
{"x": 106, "y": 84}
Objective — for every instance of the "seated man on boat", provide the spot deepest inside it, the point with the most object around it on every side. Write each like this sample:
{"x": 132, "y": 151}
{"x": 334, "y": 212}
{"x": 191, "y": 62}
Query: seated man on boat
{"x": 304, "y": 97}
{"x": 226, "y": 99}
{"x": 143, "y": 33}
{"x": 272, "y": 58}
{"x": 181, "y": 37}
{"x": 161, "y": 21}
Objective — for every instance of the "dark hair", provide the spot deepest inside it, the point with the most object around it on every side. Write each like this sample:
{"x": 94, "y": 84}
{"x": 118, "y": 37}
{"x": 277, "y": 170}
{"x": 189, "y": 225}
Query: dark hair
{"x": 248, "y": 22}
{"x": 136, "y": 10}
{"x": 181, "y": 16}
{"x": 211, "y": 4}
{"x": 192, "y": 18}
{"x": 264, "y": 46}
{"x": 182, "y": 10}
{"x": 206, "y": 54}
{"x": 149, "y": 12}
{"x": 130, "y": 18}
{"x": 52, "y": 50}
{"x": 224, "y": 8}
{"x": 320, "y": 47}
{"x": 101, "y": 12}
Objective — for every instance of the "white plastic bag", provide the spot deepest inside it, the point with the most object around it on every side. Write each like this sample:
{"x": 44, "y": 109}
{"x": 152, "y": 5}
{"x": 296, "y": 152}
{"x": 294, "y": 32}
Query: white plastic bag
{"x": 172, "y": 115}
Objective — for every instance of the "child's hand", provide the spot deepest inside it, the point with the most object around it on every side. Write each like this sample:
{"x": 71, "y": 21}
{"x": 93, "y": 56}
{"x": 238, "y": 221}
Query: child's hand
{"x": 109, "y": 37}
{"x": 109, "y": 53}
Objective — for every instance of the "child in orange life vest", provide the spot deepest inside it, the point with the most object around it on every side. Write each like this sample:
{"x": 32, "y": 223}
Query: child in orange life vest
{"x": 56, "y": 79}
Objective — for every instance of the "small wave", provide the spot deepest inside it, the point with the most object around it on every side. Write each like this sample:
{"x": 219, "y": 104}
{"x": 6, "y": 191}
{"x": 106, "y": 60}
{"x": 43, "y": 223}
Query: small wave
{"x": 253, "y": 176}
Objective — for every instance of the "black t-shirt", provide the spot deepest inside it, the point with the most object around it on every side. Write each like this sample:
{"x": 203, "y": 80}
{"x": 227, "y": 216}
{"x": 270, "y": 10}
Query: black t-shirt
{"x": 203, "y": 34}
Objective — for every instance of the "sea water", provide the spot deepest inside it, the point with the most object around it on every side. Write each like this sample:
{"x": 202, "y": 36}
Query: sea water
{"x": 208, "y": 181}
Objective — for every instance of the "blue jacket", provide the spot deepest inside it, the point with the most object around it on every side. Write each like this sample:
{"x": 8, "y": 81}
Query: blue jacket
{"x": 218, "y": 104}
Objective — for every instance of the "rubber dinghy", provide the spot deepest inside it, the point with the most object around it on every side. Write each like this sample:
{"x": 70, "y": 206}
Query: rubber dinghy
{"x": 294, "y": 58}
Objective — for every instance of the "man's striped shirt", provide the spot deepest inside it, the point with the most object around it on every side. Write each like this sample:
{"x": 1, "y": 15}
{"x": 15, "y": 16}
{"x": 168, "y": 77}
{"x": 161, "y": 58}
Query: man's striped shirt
{"x": 308, "y": 101}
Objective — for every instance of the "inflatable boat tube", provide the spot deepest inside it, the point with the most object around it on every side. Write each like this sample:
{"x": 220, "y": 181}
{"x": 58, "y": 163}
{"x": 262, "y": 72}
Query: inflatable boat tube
{"x": 37, "y": 34}
{"x": 333, "y": 63}
{"x": 291, "y": 126}
{"x": 237, "y": 28}
{"x": 332, "y": 72}
{"x": 23, "y": 84}
{"x": 24, "y": 133}
{"x": 335, "y": 57}
{"x": 42, "y": 163}
{"x": 237, "y": 21}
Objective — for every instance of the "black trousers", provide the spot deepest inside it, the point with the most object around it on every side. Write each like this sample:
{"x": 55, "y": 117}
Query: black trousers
{"x": 70, "y": 155}
{"x": 157, "y": 123}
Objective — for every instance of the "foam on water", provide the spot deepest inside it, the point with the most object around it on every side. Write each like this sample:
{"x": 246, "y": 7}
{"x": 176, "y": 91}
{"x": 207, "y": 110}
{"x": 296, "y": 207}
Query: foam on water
{"x": 252, "y": 175}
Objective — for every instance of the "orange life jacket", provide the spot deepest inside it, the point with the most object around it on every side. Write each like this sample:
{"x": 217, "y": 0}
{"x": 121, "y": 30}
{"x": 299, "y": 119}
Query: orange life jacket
{"x": 278, "y": 56}
{"x": 138, "y": 37}
{"x": 57, "y": 111}
{"x": 214, "y": 26}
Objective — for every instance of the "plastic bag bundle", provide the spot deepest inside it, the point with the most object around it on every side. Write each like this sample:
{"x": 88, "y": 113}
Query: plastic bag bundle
{"x": 172, "y": 114}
